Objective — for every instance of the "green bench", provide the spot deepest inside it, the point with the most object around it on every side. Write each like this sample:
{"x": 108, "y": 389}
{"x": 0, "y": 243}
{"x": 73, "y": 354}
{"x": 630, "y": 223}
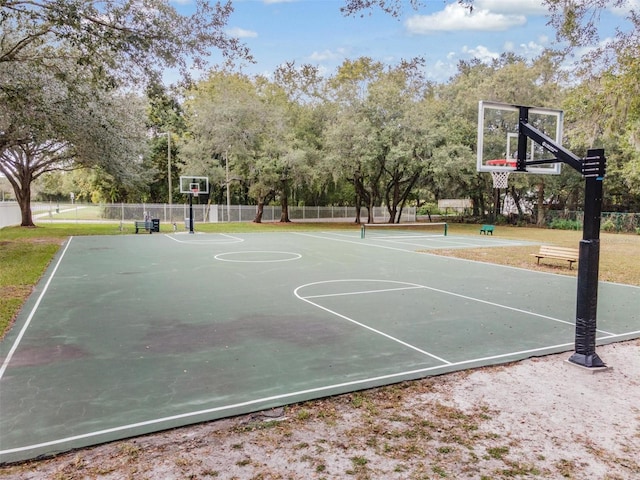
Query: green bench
{"x": 143, "y": 225}
{"x": 487, "y": 229}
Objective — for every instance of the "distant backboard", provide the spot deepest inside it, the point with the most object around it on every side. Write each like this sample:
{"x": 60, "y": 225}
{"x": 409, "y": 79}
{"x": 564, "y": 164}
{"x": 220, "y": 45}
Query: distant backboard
{"x": 498, "y": 131}
{"x": 194, "y": 185}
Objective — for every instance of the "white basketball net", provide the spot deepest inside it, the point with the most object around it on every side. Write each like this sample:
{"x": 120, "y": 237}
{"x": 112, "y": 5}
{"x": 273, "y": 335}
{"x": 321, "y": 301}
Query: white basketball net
{"x": 500, "y": 179}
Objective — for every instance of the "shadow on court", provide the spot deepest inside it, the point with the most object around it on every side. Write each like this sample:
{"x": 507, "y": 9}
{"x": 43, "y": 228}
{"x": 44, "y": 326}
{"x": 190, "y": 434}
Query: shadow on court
{"x": 133, "y": 334}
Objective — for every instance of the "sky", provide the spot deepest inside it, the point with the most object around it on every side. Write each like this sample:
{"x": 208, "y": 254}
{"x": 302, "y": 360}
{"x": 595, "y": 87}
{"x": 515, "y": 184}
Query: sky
{"x": 442, "y": 32}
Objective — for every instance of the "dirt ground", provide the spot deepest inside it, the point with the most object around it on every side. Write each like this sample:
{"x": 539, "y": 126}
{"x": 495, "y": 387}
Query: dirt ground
{"x": 541, "y": 418}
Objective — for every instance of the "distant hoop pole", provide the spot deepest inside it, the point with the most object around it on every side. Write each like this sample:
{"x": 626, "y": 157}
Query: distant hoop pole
{"x": 194, "y": 192}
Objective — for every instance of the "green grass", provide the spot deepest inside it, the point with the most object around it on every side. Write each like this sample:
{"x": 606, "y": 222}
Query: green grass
{"x": 25, "y": 253}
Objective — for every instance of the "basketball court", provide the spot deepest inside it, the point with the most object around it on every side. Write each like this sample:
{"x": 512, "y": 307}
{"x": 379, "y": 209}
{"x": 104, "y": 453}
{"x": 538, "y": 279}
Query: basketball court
{"x": 126, "y": 335}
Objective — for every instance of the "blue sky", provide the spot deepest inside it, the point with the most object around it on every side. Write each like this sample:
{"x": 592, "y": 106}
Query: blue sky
{"x": 441, "y": 32}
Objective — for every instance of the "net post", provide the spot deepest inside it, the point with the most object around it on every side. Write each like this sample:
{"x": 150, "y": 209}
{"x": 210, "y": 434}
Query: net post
{"x": 446, "y": 226}
{"x": 362, "y": 231}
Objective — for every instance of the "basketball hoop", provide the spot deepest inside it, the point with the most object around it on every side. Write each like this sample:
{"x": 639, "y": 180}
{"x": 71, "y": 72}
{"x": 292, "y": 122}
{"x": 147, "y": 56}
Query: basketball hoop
{"x": 195, "y": 192}
{"x": 500, "y": 179}
{"x": 502, "y": 162}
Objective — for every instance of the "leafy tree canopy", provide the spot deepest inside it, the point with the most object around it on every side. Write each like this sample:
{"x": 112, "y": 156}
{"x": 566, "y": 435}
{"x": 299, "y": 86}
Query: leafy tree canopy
{"x": 118, "y": 39}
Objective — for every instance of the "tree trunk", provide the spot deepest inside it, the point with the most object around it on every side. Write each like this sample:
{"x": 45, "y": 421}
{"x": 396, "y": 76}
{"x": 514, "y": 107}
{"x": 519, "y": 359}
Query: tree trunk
{"x": 284, "y": 216}
{"x": 496, "y": 204}
{"x": 518, "y": 201}
{"x": 259, "y": 212}
{"x": 23, "y": 196}
{"x": 540, "y": 201}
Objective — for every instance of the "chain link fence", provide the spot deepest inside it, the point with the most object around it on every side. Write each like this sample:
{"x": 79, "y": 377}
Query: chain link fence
{"x": 614, "y": 222}
{"x": 165, "y": 213}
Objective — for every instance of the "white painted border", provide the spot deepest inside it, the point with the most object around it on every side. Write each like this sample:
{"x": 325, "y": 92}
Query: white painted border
{"x": 33, "y": 312}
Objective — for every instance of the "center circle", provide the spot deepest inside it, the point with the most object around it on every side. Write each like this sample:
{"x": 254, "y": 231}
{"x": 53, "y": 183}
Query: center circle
{"x": 257, "y": 256}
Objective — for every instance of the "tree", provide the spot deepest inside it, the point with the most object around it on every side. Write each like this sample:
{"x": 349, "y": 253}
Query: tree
{"x": 118, "y": 39}
{"x": 166, "y": 119}
{"x": 605, "y": 107}
{"x": 225, "y": 118}
{"x": 392, "y": 7}
{"x": 78, "y": 51}
{"x": 55, "y": 125}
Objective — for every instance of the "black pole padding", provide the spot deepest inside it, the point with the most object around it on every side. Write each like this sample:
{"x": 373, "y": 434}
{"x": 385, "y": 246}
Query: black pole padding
{"x": 588, "y": 266}
{"x": 191, "y": 213}
{"x": 587, "y": 306}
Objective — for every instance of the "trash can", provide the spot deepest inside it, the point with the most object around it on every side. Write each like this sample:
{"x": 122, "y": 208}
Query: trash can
{"x": 155, "y": 224}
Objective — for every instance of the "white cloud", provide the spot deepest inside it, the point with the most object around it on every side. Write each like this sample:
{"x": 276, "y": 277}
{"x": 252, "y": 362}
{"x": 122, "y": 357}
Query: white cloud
{"x": 328, "y": 55}
{"x": 241, "y": 33}
{"x": 627, "y": 7}
{"x": 520, "y": 7}
{"x": 440, "y": 71}
{"x": 455, "y": 17}
{"x": 480, "y": 52}
{"x": 530, "y": 49}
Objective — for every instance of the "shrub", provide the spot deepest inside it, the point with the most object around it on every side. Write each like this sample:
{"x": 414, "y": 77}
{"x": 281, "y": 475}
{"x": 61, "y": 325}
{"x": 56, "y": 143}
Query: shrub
{"x": 562, "y": 224}
{"x": 609, "y": 226}
{"x": 428, "y": 209}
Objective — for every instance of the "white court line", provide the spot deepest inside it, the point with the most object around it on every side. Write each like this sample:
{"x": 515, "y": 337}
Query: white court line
{"x": 458, "y": 243}
{"x": 446, "y": 292}
{"x": 435, "y": 255}
{"x": 354, "y": 242}
{"x": 367, "y": 327}
{"x": 33, "y": 311}
{"x": 208, "y": 241}
{"x": 436, "y": 242}
{"x": 280, "y": 397}
{"x": 382, "y": 290}
{"x": 291, "y": 256}
{"x": 283, "y": 396}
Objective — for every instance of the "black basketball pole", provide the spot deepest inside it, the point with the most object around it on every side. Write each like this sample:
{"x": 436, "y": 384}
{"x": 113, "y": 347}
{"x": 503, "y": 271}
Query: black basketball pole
{"x": 592, "y": 169}
{"x": 191, "y": 212}
{"x": 588, "y": 267}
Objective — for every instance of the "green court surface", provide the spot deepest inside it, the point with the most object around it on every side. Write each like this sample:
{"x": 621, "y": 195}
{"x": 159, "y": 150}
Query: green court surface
{"x": 131, "y": 334}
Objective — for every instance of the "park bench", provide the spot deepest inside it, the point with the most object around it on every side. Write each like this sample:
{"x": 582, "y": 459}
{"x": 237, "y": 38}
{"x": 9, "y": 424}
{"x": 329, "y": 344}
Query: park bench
{"x": 143, "y": 225}
{"x": 487, "y": 229}
{"x": 559, "y": 253}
